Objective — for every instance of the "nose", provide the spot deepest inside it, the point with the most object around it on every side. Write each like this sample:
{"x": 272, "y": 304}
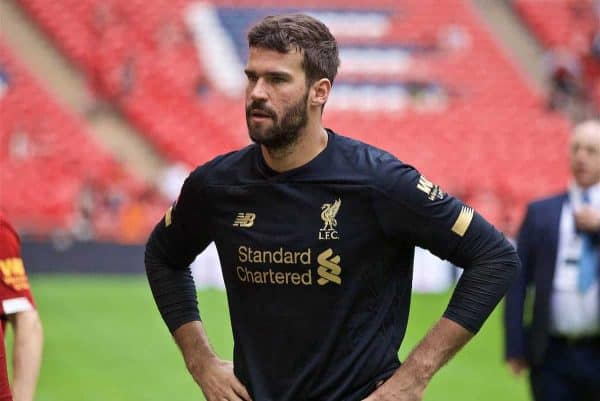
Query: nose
{"x": 582, "y": 154}
{"x": 258, "y": 90}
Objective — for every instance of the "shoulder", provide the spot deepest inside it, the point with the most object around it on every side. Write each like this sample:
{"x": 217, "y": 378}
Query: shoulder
{"x": 546, "y": 203}
{"x": 9, "y": 240}
{"x": 390, "y": 178}
{"x": 225, "y": 168}
{"x": 360, "y": 152}
{"x": 368, "y": 160}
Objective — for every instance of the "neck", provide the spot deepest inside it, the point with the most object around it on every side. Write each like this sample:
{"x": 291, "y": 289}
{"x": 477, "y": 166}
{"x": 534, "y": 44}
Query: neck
{"x": 311, "y": 141}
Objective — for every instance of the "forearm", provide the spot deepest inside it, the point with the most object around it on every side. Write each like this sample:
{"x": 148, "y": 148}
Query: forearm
{"x": 27, "y": 354}
{"x": 215, "y": 376}
{"x": 194, "y": 345}
{"x": 440, "y": 344}
{"x": 478, "y": 292}
{"x": 490, "y": 265}
{"x": 173, "y": 289}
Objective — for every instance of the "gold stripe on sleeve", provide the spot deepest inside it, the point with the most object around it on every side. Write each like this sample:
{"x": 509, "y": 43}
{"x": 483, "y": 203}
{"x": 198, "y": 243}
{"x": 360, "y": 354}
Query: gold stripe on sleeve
{"x": 168, "y": 216}
{"x": 463, "y": 221}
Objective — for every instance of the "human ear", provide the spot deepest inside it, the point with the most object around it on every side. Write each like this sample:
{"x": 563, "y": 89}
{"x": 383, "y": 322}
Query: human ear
{"x": 320, "y": 92}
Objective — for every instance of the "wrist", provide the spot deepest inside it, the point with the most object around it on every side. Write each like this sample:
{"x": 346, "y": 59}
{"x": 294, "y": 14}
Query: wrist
{"x": 417, "y": 372}
{"x": 198, "y": 362}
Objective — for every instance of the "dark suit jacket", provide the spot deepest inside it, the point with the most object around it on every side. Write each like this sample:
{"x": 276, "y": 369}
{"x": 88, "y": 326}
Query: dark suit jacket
{"x": 527, "y": 308}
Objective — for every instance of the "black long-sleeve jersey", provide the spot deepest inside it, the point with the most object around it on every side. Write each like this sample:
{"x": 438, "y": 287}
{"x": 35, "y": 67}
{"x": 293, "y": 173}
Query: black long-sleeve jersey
{"x": 317, "y": 263}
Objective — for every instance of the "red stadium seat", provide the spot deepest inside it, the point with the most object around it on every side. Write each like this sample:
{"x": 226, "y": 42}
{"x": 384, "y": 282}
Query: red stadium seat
{"x": 566, "y": 24}
{"x": 493, "y": 132}
{"x": 46, "y": 157}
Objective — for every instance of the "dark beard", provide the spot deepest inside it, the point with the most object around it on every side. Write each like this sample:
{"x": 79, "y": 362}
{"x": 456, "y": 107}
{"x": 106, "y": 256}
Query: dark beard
{"x": 283, "y": 133}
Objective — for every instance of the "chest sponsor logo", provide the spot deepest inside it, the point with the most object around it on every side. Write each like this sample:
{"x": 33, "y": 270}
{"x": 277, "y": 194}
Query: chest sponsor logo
{"x": 329, "y": 269}
{"x": 328, "y": 213}
{"x": 244, "y": 220}
{"x": 433, "y": 191}
{"x": 261, "y": 267}
{"x": 13, "y": 273}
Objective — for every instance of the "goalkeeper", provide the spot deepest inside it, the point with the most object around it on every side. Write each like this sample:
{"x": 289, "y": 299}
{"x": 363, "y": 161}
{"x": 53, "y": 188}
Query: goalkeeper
{"x": 316, "y": 235}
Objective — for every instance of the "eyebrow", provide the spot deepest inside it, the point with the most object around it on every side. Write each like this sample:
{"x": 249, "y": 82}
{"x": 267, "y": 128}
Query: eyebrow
{"x": 270, "y": 74}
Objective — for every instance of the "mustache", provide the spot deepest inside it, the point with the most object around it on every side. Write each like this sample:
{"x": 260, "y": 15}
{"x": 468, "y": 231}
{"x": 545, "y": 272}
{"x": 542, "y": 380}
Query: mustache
{"x": 260, "y": 106}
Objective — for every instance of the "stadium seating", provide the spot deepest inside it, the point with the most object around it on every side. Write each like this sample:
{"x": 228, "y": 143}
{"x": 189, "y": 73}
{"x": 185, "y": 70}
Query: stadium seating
{"x": 570, "y": 25}
{"x": 556, "y": 22}
{"x": 47, "y": 158}
{"x": 106, "y": 37}
{"x": 491, "y": 134}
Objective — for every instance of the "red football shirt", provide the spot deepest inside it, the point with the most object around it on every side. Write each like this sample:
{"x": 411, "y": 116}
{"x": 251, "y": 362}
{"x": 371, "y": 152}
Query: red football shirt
{"x": 15, "y": 295}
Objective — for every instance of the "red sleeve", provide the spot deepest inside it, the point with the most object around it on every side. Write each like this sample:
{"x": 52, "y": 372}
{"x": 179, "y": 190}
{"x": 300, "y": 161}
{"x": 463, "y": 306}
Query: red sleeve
{"x": 15, "y": 294}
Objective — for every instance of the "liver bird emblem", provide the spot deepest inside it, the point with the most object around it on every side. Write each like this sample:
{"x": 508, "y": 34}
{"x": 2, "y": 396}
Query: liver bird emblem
{"x": 328, "y": 214}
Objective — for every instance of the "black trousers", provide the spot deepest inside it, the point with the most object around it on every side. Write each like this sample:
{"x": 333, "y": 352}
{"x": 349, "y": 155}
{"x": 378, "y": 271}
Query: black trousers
{"x": 570, "y": 371}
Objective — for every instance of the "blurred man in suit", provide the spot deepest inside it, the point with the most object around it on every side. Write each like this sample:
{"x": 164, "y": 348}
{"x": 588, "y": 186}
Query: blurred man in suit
{"x": 552, "y": 315}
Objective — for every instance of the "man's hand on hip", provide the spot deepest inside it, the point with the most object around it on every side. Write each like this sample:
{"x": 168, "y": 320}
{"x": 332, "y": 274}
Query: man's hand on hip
{"x": 218, "y": 382}
{"x": 402, "y": 386}
{"x": 215, "y": 376}
{"x": 440, "y": 344}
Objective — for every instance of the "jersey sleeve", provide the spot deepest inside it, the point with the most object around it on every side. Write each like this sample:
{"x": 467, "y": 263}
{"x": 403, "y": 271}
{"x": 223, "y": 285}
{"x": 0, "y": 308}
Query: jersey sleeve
{"x": 177, "y": 239}
{"x": 15, "y": 292}
{"x": 184, "y": 231}
{"x": 412, "y": 209}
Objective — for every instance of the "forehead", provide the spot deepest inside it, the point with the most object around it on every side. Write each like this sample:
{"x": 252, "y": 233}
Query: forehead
{"x": 586, "y": 138}
{"x": 261, "y": 60}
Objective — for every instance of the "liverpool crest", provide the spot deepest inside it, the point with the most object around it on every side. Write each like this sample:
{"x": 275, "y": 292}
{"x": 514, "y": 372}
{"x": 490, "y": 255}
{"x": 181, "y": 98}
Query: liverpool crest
{"x": 328, "y": 213}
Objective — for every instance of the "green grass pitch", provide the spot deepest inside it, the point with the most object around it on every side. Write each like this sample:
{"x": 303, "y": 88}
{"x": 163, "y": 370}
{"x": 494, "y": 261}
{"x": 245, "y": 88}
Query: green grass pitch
{"x": 104, "y": 341}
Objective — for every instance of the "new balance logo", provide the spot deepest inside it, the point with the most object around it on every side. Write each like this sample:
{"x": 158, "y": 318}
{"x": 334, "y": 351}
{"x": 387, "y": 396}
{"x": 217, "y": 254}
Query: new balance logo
{"x": 433, "y": 191}
{"x": 244, "y": 220}
{"x": 425, "y": 185}
{"x": 329, "y": 268}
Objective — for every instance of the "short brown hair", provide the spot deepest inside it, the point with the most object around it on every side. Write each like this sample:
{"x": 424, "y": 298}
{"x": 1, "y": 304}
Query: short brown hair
{"x": 283, "y": 33}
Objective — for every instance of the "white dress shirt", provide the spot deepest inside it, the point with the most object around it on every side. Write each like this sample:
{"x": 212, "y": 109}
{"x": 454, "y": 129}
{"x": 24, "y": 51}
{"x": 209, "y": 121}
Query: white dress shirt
{"x": 572, "y": 313}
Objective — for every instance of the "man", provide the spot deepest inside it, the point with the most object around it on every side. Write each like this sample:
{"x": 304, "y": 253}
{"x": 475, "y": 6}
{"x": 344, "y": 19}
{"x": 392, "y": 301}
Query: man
{"x": 316, "y": 235}
{"x": 552, "y": 315}
{"x": 18, "y": 309}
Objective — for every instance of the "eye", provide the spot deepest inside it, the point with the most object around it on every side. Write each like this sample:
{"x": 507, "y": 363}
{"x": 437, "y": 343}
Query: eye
{"x": 277, "y": 79}
{"x": 252, "y": 77}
